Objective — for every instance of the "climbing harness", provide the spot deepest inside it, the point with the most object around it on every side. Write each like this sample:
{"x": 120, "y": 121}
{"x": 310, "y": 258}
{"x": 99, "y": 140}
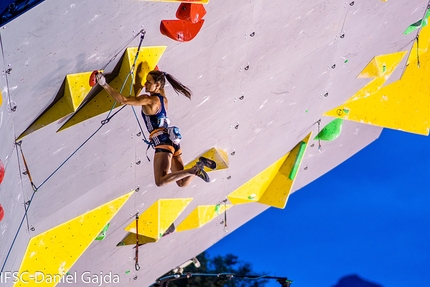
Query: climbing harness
{"x": 136, "y": 257}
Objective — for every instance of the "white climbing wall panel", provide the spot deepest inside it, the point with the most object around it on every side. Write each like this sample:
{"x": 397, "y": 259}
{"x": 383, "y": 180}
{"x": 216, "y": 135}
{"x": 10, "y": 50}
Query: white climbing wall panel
{"x": 262, "y": 74}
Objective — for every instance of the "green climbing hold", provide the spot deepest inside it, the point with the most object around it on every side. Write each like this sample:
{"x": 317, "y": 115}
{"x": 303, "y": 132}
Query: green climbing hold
{"x": 419, "y": 24}
{"x": 384, "y": 68}
{"x": 127, "y": 272}
{"x": 346, "y": 61}
{"x": 297, "y": 161}
{"x": 331, "y": 131}
{"x": 102, "y": 234}
{"x": 217, "y": 207}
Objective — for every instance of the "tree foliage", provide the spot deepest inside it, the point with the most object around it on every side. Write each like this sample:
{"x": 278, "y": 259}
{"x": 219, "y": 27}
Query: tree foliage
{"x": 229, "y": 264}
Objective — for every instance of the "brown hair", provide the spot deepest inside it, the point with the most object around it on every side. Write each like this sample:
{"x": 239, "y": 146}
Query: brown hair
{"x": 179, "y": 88}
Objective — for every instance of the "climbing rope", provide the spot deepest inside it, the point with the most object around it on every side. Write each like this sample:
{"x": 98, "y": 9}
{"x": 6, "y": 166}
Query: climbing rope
{"x": 35, "y": 189}
{"x": 131, "y": 73}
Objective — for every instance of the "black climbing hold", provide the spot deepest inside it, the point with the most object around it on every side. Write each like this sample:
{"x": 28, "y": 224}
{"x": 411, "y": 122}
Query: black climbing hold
{"x": 252, "y": 34}
{"x": 242, "y": 97}
{"x": 247, "y": 68}
{"x": 352, "y": 3}
{"x": 326, "y": 95}
{"x": 334, "y": 66}
{"x": 342, "y": 36}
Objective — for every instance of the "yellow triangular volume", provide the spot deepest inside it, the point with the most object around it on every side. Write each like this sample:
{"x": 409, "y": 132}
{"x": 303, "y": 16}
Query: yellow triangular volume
{"x": 102, "y": 102}
{"x": 154, "y": 221}
{"x": 273, "y": 185}
{"x": 55, "y": 251}
{"x": 76, "y": 88}
{"x": 372, "y": 70}
{"x": 386, "y": 64}
{"x": 130, "y": 239}
{"x": 201, "y": 215}
{"x": 402, "y": 105}
{"x": 216, "y": 154}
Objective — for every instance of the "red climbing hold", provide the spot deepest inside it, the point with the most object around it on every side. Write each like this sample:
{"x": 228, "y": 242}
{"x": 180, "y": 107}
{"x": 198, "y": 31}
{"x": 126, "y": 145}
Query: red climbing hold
{"x": 180, "y": 30}
{"x": 191, "y": 12}
{"x": 93, "y": 80}
{"x": 1, "y": 213}
{"x": 1, "y": 171}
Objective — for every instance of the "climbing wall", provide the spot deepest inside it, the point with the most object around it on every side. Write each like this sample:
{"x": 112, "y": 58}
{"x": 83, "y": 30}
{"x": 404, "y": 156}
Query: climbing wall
{"x": 279, "y": 99}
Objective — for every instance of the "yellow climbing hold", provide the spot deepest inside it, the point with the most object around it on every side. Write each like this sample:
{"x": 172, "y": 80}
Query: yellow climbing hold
{"x": 201, "y": 215}
{"x": 130, "y": 239}
{"x": 55, "y": 251}
{"x": 273, "y": 185}
{"x": 218, "y": 155}
{"x": 154, "y": 221}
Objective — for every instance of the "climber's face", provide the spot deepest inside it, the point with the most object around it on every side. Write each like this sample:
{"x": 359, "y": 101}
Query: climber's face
{"x": 151, "y": 86}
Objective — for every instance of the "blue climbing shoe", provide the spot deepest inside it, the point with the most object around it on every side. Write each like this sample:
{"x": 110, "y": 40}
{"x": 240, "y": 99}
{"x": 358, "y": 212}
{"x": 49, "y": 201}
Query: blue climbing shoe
{"x": 202, "y": 174}
{"x": 206, "y": 162}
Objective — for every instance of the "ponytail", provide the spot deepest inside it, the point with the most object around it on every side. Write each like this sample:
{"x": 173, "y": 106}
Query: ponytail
{"x": 176, "y": 85}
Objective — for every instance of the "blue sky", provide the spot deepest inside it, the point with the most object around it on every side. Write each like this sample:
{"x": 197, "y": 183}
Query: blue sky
{"x": 369, "y": 216}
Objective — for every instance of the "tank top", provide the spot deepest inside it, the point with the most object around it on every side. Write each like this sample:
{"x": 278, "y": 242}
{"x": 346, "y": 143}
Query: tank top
{"x": 159, "y": 119}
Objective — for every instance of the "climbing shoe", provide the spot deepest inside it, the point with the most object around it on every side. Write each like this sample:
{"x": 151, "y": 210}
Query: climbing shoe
{"x": 202, "y": 174}
{"x": 206, "y": 162}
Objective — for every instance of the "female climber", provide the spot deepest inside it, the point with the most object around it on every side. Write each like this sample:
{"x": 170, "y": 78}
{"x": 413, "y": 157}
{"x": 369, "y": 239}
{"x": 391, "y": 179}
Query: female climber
{"x": 168, "y": 165}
